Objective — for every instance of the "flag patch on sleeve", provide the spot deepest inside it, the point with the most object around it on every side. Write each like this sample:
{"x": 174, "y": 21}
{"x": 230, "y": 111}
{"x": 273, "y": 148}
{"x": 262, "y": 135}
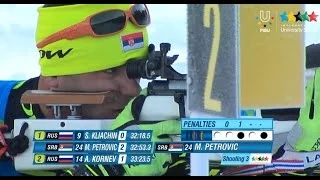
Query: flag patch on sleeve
{"x": 132, "y": 41}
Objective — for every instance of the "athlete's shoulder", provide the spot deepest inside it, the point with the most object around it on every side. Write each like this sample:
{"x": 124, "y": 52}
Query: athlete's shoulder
{"x": 24, "y": 85}
{"x": 179, "y": 169}
{"x": 180, "y": 165}
{"x": 6, "y": 87}
{"x": 13, "y": 107}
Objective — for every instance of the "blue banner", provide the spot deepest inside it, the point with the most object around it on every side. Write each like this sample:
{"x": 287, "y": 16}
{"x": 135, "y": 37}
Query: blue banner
{"x": 93, "y": 147}
{"x": 104, "y": 159}
{"x": 214, "y": 147}
{"x": 93, "y": 135}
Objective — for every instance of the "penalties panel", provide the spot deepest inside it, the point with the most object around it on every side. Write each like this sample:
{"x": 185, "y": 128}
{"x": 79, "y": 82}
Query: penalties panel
{"x": 241, "y": 141}
{"x": 92, "y": 147}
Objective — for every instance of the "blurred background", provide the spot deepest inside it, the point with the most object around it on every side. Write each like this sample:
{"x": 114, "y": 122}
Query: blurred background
{"x": 19, "y": 56}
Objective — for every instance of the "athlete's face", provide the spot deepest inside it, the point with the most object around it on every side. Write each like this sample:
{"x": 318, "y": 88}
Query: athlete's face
{"x": 114, "y": 80}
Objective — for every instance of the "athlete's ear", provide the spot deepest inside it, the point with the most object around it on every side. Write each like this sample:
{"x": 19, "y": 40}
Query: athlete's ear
{"x": 51, "y": 82}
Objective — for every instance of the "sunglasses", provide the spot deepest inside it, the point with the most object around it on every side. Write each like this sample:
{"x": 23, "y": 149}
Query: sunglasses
{"x": 103, "y": 23}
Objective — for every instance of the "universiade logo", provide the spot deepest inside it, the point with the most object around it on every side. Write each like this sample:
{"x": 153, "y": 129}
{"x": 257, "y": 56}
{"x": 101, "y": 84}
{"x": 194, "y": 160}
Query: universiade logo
{"x": 296, "y": 22}
{"x": 298, "y": 17}
{"x": 264, "y": 20}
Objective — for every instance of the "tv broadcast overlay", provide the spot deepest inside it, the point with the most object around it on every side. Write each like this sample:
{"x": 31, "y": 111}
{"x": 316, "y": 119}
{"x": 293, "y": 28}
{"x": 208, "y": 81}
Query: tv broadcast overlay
{"x": 110, "y": 135}
{"x": 245, "y": 141}
{"x": 231, "y": 159}
{"x": 92, "y": 147}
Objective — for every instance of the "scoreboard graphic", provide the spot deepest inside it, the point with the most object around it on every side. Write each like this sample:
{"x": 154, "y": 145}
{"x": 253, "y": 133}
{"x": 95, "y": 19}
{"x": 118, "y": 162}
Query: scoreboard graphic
{"x": 92, "y": 147}
{"x": 196, "y": 135}
{"x": 110, "y": 135}
{"x": 107, "y": 159}
{"x": 240, "y": 141}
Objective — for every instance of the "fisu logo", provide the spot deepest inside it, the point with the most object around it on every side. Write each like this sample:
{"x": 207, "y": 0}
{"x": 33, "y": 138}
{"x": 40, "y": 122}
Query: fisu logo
{"x": 265, "y": 16}
{"x": 264, "y": 19}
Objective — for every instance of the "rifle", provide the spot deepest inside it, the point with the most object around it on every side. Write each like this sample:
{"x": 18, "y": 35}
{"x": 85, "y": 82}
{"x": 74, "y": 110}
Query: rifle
{"x": 169, "y": 93}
